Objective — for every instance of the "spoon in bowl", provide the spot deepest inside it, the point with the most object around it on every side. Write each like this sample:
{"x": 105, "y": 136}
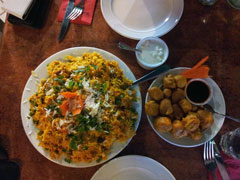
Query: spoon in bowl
{"x": 209, "y": 108}
{"x": 124, "y": 46}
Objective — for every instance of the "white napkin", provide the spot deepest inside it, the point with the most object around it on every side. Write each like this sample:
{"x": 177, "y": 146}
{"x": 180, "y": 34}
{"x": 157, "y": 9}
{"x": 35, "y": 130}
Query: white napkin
{"x": 17, "y": 8}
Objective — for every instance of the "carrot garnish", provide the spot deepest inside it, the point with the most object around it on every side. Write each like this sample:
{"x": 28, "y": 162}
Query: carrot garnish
{"x": 74, "y": 103}
{"x": 64, "y": 107}
{"x": 79, "y": 109}
{"x": 198, "y": 71}
{"x": 69, "y": 94}
{"x": 201, "y": 62}
{"x": 201, "y": 72}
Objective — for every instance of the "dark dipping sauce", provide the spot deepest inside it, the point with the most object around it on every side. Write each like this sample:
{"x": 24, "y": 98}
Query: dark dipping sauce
{"x": 197, "y": 91}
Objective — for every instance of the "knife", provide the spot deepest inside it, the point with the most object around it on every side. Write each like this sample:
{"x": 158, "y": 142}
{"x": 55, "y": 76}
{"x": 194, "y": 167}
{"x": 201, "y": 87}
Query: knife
{"x": 220, "y": 163}
{"x": 65, "y": 22}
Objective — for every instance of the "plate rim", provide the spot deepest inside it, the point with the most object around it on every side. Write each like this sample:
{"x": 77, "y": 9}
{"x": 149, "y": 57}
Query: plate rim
{"x": 121, "y": 158}
{"x": 137, "y": 37}
{"x": 179, "y": 145}
{"x": 52, "y": 58}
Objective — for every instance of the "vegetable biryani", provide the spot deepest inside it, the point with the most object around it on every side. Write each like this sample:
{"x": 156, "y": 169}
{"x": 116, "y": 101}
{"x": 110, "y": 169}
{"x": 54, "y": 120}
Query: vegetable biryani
{"x": 83, "y": 107}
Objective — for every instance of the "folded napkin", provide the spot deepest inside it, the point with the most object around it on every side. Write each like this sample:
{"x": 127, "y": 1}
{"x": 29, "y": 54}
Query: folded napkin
{"x": 233, "y": 168}
{"x": 18, "y": 8}
{"x": 87, "y": 15}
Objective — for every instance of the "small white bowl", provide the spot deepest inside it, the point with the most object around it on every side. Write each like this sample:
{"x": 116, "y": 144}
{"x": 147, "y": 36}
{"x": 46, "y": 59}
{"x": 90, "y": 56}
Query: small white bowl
{"x": 154, "y": 52}
{"x": 209, "y": 88}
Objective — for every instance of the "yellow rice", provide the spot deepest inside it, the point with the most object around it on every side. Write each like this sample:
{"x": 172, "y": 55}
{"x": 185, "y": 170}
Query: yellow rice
{"x": 84, "y": 137}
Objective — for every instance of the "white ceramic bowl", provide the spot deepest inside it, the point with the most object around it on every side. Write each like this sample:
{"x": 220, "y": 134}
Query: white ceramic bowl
{"x": 156, "y": 44}
{"x": 217, "y": 102}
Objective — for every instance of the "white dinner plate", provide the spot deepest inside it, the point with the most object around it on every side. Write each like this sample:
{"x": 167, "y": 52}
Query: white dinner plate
{"x": 137, "y": 19}
{"x": 217, "y": 102}
{"x": 133, "y": 167}
{"x": 31, "y": 88}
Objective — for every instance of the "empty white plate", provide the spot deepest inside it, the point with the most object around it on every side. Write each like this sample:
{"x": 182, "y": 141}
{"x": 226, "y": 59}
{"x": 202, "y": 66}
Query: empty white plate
{"x": 133, "y": 167}
{"x": 137, "y": 19}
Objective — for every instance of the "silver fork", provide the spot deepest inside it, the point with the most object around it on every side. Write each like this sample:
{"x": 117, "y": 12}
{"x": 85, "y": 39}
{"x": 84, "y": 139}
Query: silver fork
{"x": 209, "y": 158}
{"x": 77, "y": 10}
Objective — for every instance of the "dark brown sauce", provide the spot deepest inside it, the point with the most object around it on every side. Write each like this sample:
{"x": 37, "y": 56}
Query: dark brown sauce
{"x": 197, "y": 91}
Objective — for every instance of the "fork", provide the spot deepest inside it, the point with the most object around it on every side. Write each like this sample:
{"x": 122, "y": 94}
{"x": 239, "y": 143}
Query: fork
{"x": 77, "y": 10}
{"x": 209, "y": 158}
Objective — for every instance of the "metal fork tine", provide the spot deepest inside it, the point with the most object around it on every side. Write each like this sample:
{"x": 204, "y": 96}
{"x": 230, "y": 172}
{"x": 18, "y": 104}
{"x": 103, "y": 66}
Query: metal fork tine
{"x": 207, "y": 150}
{"x": 204, "y": 152}
{"x": 71, "y": 13}
{"x": 74, "y": 14}
{"x": 208, "y": 156}
{"x": 212, "y": 148}
{"x": 79, "y": 12}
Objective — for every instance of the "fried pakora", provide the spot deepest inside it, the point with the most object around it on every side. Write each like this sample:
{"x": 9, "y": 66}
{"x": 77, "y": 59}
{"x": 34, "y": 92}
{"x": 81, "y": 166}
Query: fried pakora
{"x": 152, "y": 108}
{"x": 177, "y": 95}
{"x": 165, "y": 107}
{"x": 206, "y": 118}
{"x": 180, "y": 80}
{"x": 177, "y": 112}
{"x": 169, "y": 82}
{"x": 167, "y": 92}
{"x": 191, "y": 122}
{"x": 155, "y": 93}
{"x": 185, "y": 105}
{"x": 196, "y": 135}
{"x": 163, "y": 124}
{"x": 178, "y": 129}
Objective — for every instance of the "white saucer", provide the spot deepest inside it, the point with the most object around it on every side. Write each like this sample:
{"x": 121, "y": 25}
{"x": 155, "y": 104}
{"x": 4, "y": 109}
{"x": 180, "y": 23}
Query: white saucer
{"x": 137, "y": 19}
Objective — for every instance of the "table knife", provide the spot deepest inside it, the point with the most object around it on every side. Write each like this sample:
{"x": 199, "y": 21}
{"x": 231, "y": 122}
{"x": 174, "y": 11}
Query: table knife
{"x": 65, "y": 22}
{"x": 220, "y": 163}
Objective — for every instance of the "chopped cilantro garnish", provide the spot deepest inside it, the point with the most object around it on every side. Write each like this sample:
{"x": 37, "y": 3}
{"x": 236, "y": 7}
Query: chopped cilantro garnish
{"x": 40, "y": 133}
{"x": 59, "y": 101}
{"x": 79, "y": 85}
{"x": 73, "y": 143}
{"x": 51, "y": 106}
{"x": 32, "y": 112}
{"x": 99, "y": 159}
{"x": 36, "y": 122}
{"x": 87, "y": 68}
{"x": 59, "y": 80}
{"x": 70, "y": 84}
{"x": 57, "y": 89}
{"x": 118, "y": 99}
{"x": 103, "y": 88}
{"x": 67, "y": 160}
{"x": 60, "y": 77}
{"x": 79, "y": 70}
{"x": 94, "y": 66}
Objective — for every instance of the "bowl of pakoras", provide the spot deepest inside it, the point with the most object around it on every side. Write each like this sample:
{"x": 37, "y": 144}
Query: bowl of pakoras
{"x": 174, "y": 118}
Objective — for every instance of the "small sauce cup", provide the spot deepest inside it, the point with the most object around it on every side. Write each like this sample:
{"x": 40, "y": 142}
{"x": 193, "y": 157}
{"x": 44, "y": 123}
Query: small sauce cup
{"x": 154, "y": 52}
{"x": 198, "y": 92}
